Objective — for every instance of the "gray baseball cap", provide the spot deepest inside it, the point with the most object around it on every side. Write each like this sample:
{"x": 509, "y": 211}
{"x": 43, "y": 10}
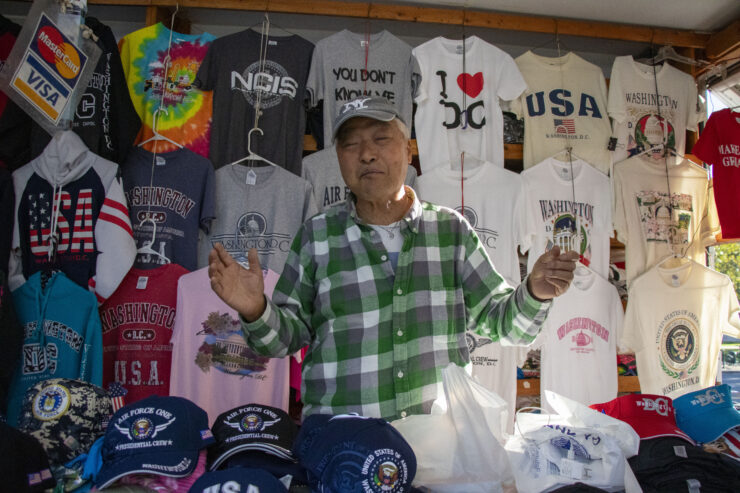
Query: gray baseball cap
{"x": 369, "y": 107}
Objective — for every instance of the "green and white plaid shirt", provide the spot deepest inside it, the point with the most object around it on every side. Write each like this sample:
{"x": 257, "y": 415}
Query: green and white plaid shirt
{"x": 377, "y": 341}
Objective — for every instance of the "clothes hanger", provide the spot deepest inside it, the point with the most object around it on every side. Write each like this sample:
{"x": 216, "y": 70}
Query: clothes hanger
{"x": 253, "y": 156}
{"x": 667, "y": 53}
{"x": 156, "y": 135}
{"x": 147, "y": 247}
{"x": 553, "y": 40}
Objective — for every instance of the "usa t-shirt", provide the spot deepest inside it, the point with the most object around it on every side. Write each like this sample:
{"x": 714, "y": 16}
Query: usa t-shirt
{"x": 719, "y": 145}
{"x": 137, "y": 327}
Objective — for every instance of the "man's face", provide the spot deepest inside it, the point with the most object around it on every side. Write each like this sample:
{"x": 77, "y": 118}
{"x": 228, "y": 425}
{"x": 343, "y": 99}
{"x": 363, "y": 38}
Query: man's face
{"x": 373, "y": 158}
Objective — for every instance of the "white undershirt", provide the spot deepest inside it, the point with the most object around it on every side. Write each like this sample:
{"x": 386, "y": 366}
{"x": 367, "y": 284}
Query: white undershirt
{"x": 390, "y": 235}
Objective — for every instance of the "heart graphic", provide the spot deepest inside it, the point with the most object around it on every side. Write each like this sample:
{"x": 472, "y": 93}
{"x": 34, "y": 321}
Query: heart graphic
{"x": 471, "y": 85}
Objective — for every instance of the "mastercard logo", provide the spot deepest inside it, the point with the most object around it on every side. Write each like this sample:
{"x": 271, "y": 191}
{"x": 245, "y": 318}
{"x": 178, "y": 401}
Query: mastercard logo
{"x": 54, "y": 50}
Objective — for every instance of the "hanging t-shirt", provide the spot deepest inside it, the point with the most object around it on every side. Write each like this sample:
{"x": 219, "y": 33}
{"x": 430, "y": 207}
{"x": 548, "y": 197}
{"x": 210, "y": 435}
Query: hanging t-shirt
{"x": 458, "y": 108}
{"x": 564, "y": 105}
{"x": 211, "y": 362}
{"x": 719, "y": 145}
{"x": 649, "y": 225}
{"x": 178, "y": 196}
{"x": 674, "y": 322}
{"x": 321, "y": 170}
{"x": 549, "y": 212}
{"x": 347, "y": 66}
{"x": 637, "y": 92}
{"x": 261, "y": 211}
{"x": 487, "y": 191}
{"x": 15, "y": 124}
{"x": 232, "y": 70}
{"x": 137, "y": 328}
{"x": 579, "y": 341}
{"x": 188, "y": 117}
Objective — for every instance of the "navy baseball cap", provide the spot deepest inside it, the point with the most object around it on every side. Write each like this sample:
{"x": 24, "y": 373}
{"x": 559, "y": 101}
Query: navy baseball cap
{"x": 252, "y": 427}
{"x": 355, "y": 453}
{"x": 376, "y": 108}
{"x": 706, "y": 414}
{"x": 238, "y": 480}
{"x": 156, "y": 435}
{"x": 24, "y": 466}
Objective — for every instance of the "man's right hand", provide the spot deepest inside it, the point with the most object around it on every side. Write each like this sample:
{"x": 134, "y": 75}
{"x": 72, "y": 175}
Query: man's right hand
{"x": 242, "y": 289}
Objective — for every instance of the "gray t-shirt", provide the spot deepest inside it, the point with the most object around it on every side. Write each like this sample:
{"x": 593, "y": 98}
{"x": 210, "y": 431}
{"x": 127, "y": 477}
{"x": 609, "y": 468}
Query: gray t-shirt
{"x": 341, "y": 72}
{"x": 179, "y": 197}
{"x": 321, "y": 169}
{"x": 231, "y": 69}
{"x": 264, "y": 215}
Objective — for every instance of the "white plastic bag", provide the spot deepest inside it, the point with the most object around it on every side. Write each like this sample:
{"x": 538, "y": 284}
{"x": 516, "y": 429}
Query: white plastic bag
{"x": 459, "y": 446}
{"x": 578, "y": 444}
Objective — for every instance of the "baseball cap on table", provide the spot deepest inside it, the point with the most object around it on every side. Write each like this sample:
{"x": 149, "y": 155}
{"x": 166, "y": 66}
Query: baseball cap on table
{"x": 24, "y": 466}
{"x": 651, "y": 416}
{"x": 376, "y": 108}
{"x": 706, "y": 414}
{"x": 354, "y": 453}
{"x": 66, "y": 416}
{"x": 252, "y": 427}
{"x": 156, "y": 435}
{"x": 238, "y": 480}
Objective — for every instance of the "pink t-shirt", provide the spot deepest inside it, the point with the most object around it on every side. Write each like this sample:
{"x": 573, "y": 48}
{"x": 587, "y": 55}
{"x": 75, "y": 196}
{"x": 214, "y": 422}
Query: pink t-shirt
{"x": 719, "y": 145}
{"x": 211, "y": 362}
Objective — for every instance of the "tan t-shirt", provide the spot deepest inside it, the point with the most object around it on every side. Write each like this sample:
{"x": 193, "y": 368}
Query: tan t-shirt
{"x": 674, "y": 322}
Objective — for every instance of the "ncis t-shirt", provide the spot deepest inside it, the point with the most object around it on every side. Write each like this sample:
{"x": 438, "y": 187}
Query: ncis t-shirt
{"x": 176, "y": 190}
{"x": 233, "y": 71}
{"x": 137, "y": 328}
{"x": 719, "y": 145}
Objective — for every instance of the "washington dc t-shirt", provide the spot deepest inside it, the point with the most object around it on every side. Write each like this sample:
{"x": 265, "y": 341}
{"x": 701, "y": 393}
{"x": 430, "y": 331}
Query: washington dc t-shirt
{"x": 579, "y": 341}
{"x": 634, "y": 105}
{"x": 564, "y": 105}
{"x": 188, "y": 117}
{"x": 178, "y": 196}
{"x": 674, "y": 322}
{"x": 321, "y": 169}
{"x": 347, "y": 66}
{"x": 458, "y": 110}
{"x": 211, "y": 362}
{"x": 233, "y": 71}
{"x": 649, "y": 224}
{"x": 549, "y": 212}
{"x": 261, "y": 211}
{"x": 137, "y": 328}
{"x": 719, "y": 145}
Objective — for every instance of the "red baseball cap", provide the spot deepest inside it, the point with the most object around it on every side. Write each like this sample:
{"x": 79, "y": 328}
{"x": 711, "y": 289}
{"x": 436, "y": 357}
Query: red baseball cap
{"x": 651, "y": 416}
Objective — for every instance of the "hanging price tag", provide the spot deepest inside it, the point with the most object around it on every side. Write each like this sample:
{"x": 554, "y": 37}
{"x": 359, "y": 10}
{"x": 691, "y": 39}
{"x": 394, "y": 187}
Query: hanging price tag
{"x": 251, "y": 177}
{"x": 142, "y": 282}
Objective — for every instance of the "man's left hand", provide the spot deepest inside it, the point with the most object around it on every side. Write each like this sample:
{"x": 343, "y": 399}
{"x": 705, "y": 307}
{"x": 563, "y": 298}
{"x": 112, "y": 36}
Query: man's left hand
{"x": 552, "y": 274}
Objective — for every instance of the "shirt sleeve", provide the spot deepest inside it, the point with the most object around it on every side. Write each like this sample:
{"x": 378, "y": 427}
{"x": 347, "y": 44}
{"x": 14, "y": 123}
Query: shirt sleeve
{"x": 91, "y": 362}
{"x": 615, "y": 101}
{"x": 616, "y": 316}
{"x": 285, "y": 325}
{"x": 619, "y": 214}
{"x": 205, "y": 79}
{"x": 207, "y": 203}
{"x": 421, "y": 90}
{"x": 732, "y": 326}
{"x": 315, "y": 83}
{"x": 710, "y": 226}
{"x": 705, "y": 147}
{"x": 415, "y": 76}
{"x": 495, "y": 309}
{"x": 510, "y": 81}
{"x": 696, "y": 112}
{"x": 631, "y": 329}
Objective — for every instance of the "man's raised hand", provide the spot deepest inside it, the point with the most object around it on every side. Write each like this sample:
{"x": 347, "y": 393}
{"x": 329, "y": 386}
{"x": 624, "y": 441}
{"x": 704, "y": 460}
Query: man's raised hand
{"x": 242, "y": 289}
{"x": 552, "y": 274}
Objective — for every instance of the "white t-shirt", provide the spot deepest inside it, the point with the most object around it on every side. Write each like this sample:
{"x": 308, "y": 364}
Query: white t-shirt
{"x": 211, "y": 363}
{"x": 489, "y": 74}
{"x": 488, "y": 191}
{"x": 674, "y": 322}
{"x": 579, "y": 341}
{"x": 564, "y": 104}
{"x": 548, "y": 212}
{"x": 634, "y": 104}
{"x": 644, "y": 220}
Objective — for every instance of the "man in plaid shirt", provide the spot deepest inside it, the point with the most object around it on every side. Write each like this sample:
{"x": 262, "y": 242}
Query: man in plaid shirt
{"x": 383, "y": 287}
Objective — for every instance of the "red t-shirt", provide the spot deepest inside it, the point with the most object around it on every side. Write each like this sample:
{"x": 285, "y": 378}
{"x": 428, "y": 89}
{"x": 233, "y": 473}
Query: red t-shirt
{"x": 137, "y": 327}
{"x": 719, "y": 145}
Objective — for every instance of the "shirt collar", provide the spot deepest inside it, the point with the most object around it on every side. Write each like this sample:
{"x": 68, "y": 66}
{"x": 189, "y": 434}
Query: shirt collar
{"x": 412, "y": 218}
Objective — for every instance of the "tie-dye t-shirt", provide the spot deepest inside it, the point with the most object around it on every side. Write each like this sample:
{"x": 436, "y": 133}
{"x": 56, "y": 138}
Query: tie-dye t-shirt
{"x": 188, "y": 117}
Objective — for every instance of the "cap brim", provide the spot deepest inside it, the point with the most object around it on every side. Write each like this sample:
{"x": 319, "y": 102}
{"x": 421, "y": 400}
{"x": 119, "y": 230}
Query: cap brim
{"x": 710, "y": 426}
{"x": 656, "y": 428}
{"x": 161, "y": 464}
{"x": 275, "y": 450}
{"x": 382, "y": 116}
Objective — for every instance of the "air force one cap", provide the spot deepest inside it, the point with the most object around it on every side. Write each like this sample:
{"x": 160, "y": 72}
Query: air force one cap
{"x": 376, "y": 108}
{"x": 651, "y": 416}
{"x": 156, "y": 435}
{"x": 707, "y": 414}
